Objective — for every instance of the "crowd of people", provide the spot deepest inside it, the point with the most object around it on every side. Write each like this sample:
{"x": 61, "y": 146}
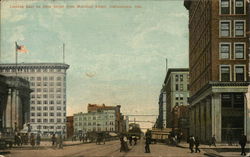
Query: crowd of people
{"x": 35, "y": 140}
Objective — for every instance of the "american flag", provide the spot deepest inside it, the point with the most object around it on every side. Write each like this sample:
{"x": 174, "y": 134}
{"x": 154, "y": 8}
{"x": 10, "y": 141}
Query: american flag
{"x": 21, "y": 48}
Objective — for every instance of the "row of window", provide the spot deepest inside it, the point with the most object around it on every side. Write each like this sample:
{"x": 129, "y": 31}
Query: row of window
{"x": 96, "y": 129}
{"x": 181, "y": 87}
{"x": 239, "y": 28}
{"x": 94, "y": 123}
{"x": 226, "y": 73}
{"x": 58, "y": 120}
{"x": 49, "y": 127}
{"x": 45, "y": 108}
{"x": 45, "y": 84}
{"x": 32, "y": 70}
{"x": 45, "y": 102}
{"x": 179, "y": 96}
{"x": 39, "y": 96}
{"x": 232, "y": 6}
{"x": 93, "y": 118}
{"x": 39, "y": 114}
{"x": 239, "y": 50}
{"x": 50, "y": 90}
{"x": 232, "y": 100}
{"x": 179, "y": 78}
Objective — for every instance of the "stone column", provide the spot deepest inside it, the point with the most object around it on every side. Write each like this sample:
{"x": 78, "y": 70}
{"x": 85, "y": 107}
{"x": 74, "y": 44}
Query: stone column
{"x": 208, "y": 120}
{"x": 247, "y": 115}
{"x": 203, "y": 121}
{"x": 8, "y": 110}
{"x": 216, "y": 116}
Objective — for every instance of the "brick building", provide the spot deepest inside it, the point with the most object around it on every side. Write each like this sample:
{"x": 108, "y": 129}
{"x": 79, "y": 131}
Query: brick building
{"x": 218, "y": 63}
{"x": 70, "y": 126}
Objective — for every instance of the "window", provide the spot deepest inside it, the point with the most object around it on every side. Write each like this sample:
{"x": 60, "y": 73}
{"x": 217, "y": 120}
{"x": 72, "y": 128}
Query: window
{"x": 58, "y": 114}
{"x": 239, "y": 28}
{"x": 181, "y": 96}
{"x": 39, "y": 102}
{"x": 181, "y": 78}
{"x": 51, "y": 121}
{"x": 238, "y": 100}
{"x": 225, "y": 73}
{"x": 38, "y": 83}
{"x": 45, "y": 78}
{"x": 176, "y": 78}
{"x": 38, "y": 90}
{"x": 225, "y": 28}
{"x": 51, "y": 102}
{"x": 176, "y": 87}
{"x": 58, "y": 78}
{"x": 45, "y": 90}
{"x": 239, "y": 73}
{"x": 45, "y": 114}
{"x": 45, "y": 83}
{"x": 38, "y": 78}
{"x": 225, "y": 50}
{"x": 51, "y": 114}
{"x": 239, "y": 6}
{"x": 177, "y": 104}
{"x": 58, "y": 102}
{"x": 32, "y": 114}
{"x": 58, "y": 120}
{"x": 226, "y": 100}
{"x": 39, "y": 108}
{"x": 45, "y": 96}
{"x": 58, "y": 108}
{"x": 39, "y": 114}
{"x": 51, "y": 78}
{"x": 51, "y": 90}
{"x": 239, "y": 50}
{"x": 33, "y": 120}
{"x": 45, "y": 108}
{"x": 51, "y": 83}
{"x": 51, "y": 108}
{"x": 45, "y": 120}
{"x": 181, "y": 87}
{"x": 225, "y": 7}
{"x": 32, "y": 108}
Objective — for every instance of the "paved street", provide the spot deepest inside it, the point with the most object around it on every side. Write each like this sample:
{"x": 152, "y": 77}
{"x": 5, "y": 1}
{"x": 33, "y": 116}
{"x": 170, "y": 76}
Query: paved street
{"x": 109, "y": 149}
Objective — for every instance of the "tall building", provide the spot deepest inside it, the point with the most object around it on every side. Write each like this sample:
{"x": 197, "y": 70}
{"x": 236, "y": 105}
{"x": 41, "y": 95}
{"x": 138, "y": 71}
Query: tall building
{"x": 176, "y": 87}
{"x": 218, "y": 63}
{"x": 48, "y": 99}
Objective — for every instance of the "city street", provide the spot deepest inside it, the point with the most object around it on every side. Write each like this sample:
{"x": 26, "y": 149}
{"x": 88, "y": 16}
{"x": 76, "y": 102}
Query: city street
{"x": 109, "y": 149}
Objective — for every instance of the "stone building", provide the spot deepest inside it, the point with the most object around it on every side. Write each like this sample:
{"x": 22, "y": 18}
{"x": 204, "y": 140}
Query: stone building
{"x": 117, "y": 109}
{"x": 48, "y": 99}
{"x": 14, "y": 102}
{"x": 176, "y": 87}
{"x": 218, "y": 63}
{"x": 101, "y": 120}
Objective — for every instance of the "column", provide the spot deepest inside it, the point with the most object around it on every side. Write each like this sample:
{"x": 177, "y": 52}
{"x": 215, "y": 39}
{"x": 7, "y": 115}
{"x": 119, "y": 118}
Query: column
{"x": 202, "y": 119}
{"x": 208, "y": 120}
{"x": 8, "y": 109}
{"x": 247, "y": 115}
{"x": 216, "y": 116}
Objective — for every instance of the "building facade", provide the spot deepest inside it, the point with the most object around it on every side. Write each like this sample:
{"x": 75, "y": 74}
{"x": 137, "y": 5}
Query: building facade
{"x": 48, "y": 99}
{"x": 176, "y": 87}
{"x": 14, "y": 102}
{"x": 70, "y": 126}
{"x": 102, "y": 120}
{"x": 117, "y": 109}
{"x": 218, "y": 63}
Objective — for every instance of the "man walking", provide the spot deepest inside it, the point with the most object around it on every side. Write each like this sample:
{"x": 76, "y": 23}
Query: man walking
{"x": 197, "y": 144}
{"x": 191, "y": 143}
{"x": 147, "y": 148}
{"x": 242, "y": 142}
{"x": 213, "y": 141}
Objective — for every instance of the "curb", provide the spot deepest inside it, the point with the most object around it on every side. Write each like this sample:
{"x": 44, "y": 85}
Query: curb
{"x": 212, "y": 155}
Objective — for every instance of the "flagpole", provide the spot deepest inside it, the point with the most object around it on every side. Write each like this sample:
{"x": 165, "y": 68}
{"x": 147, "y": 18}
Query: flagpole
{"x": 16, "y": 56}
{"x": 63, "y": 53}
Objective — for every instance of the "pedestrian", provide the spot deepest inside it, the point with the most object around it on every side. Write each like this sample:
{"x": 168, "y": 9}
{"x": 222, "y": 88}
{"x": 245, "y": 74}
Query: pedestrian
{"x": 32, "y": 140}
{"x": 191, "y": 143}
{"x": 242, "y": 142}
{"x": 53, "y": 139}
{"x": 135, "y": 140}
{"x": 130, "y": 140}
{"x": 125, "y": 139}
{"x": 38, "y": 139}
{"x": 147, "y": 148}
{"x": 197, "y": 144}
{"x": 213, "y": 141}
{"x": 122, "y": 148}
{"x": 60, "y": 141}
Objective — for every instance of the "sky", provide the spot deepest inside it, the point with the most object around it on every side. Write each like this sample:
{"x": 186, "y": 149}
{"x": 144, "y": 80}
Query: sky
{"x": 117, "y": 56}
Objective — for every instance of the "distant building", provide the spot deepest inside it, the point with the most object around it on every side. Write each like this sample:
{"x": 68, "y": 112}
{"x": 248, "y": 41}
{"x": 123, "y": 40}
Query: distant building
{"x": 117, "y": 109}
{"x": 14, "y": 102}
{"x": 70, "y": 126}
{"x": 176, "y": 89}
{"x": 218, "y": 63}
{"x": 48, "y": 99}
{"x": 102, "y": 120}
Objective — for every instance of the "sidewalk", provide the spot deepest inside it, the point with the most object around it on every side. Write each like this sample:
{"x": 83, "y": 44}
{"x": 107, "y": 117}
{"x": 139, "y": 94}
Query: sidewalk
{"x": 221, "y": 150}
{"x": 47, "y": 144}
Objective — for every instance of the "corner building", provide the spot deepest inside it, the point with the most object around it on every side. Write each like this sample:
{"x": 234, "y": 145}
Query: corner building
{"x": 48, "y": 99}
{"x": 218, "y": 63}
